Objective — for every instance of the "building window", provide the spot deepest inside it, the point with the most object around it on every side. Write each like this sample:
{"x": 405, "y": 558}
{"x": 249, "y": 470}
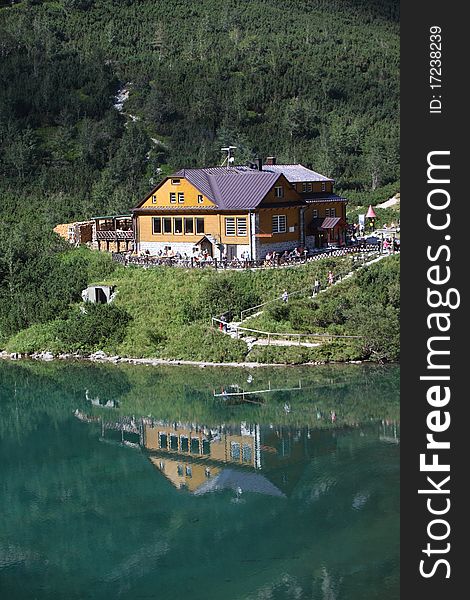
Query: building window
{"x": 173, "y": 442}
{"x": 166, "y": 225}
{"x": 188, "y": 226}
{"x": 184, "y": 443}
{"x": 279, "y": 223}
{"x": 323, "y": 186}
{"x": 180, "y": 197}
{"x": 199, "y": 225}
{"x": 156, "y": 225}
{"x": 178, "y": 226}
{"x": 332, "y": 212}
{"x": 315, "y": 213}
{"x": 279, "y": 192}
{"x": 304, "y": 186}
{"x": 154, "y": 199}
{"x": 327, "y": 212}
{"x": 163, "y": 440}
{"x": 172, "y": 197}
{"x": 235, "y": 450}
{"x": 309, "y": 186}
{"x": 230, "y": 226}
{"x": 247, "y": 453}
{"x": 189, "y": 471}
{"x": 199, "y": 199}
{"x": 175, "y": 181}
{"x": 241, "y": 227}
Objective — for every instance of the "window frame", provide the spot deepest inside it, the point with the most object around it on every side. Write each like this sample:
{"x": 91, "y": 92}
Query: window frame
{"x": 238, "y": 227}
{"x": 176, "y": 181}
{"x": 200, "y": 198}
{"x": 198, "y": 221}
{"x": 323, "y": 186}
{"x": 180, "y": 232}
{"x": 155, "y": 220}
{"x": 233, "y": 220}
{"x": 315, "y": 213}
{"x": 166, "y": 220}
{"x": 279, "y": 191}
{"x": 172, "y": 197}
{"x": 180, "y": 197}
{"x": 185, "y": 221}
{"x": 278, "y": 219}
{"x": 235, "y": 450}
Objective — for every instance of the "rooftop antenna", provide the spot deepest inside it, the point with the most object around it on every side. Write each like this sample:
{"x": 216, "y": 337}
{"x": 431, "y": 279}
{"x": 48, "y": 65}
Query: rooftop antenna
{"x": 229, "y": 159}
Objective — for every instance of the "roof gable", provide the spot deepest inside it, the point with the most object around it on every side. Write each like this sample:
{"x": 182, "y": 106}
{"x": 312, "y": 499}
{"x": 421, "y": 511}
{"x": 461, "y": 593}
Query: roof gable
{"x": 231, "y": 188}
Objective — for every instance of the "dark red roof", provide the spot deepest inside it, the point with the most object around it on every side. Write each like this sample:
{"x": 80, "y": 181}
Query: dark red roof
{"x": 324, "y": 223}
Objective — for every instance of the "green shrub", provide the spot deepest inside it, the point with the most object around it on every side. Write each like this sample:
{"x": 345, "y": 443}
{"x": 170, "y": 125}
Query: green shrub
{"x": 279, "y": 311}
{"x": 203, "y": 343}
{"x": 40, "y": 337}
{"x": 92, "y": 327}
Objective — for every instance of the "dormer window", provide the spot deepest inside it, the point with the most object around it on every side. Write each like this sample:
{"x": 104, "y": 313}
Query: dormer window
{"x": 279, "y": 192}
{"x": 154, "y": 199}
{"x": 200, "y": 199}
{"x": 175, "y": 181}
{"x": 323, "y": 186}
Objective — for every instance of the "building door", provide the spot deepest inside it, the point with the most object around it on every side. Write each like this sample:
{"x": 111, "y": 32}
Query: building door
{"x": 206, "y": 246}
{"x": 231, "y": 251}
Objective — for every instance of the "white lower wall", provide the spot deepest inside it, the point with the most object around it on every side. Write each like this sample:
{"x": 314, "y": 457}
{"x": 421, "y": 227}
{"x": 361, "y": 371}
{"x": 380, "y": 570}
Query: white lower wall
{"x": 155, "y": 247}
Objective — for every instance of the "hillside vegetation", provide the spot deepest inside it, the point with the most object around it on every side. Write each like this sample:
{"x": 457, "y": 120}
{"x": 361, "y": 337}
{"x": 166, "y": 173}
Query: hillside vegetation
{"x": 166, "y": 313}
{"x": 309, "y": 81}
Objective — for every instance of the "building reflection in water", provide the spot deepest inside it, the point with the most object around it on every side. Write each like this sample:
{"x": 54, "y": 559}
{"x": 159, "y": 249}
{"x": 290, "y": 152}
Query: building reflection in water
{"x": 265, "y": 459}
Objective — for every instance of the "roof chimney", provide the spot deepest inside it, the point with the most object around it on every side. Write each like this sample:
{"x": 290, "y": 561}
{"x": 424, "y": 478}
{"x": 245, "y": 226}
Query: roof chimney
{"x": 259, "y": 163}
{"x": 271, "y": 160}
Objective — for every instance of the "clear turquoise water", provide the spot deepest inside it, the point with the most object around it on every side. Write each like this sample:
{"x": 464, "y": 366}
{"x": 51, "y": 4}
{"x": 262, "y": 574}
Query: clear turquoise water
{"x": 312, "y": 512}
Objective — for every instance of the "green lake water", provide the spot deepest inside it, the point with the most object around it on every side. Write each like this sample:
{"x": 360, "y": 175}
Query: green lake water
{"x": 174, "y": 482}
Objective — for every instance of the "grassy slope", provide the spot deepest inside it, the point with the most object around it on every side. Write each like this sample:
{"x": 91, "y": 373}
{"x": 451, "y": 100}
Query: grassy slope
{"x": 170, "y": 312}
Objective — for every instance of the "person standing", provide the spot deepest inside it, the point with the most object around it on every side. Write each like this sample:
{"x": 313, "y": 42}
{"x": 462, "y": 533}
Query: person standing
{"x": 285, "y": 296}
{"x": 316, "y": 288}
{"x": 331, "y": 278}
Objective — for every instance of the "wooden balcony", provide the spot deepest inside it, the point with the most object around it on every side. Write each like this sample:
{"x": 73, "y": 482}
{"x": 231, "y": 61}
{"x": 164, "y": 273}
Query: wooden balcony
{"x": 114, "y": 236}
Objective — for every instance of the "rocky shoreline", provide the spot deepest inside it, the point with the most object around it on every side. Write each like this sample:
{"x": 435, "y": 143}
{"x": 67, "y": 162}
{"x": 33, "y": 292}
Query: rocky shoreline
{"x": 102, "y": 357}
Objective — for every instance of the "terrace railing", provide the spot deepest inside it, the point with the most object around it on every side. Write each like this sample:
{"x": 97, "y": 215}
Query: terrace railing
{"x": 114, "y": 236}
{"x": 148, "y": 261}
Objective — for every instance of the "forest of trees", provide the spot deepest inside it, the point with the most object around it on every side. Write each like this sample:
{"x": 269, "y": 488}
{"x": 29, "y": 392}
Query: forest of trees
{"x": 310, "y": 81}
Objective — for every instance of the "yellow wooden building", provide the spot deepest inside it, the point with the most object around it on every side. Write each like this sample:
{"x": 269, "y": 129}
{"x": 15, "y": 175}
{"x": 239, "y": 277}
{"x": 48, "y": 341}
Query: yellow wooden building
{"x": 239, "y": 211}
